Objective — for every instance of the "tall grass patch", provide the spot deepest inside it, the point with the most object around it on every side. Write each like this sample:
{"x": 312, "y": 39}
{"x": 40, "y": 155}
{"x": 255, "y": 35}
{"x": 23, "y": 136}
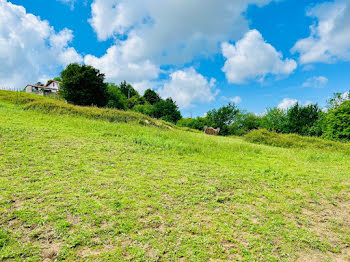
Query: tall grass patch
{"x": 265, "y": 137}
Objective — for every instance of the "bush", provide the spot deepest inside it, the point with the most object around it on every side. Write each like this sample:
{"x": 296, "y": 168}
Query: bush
{"x": 145, "y": 109}
{"x": 193, "y": 123}
{"x": 338, "y": 123}
{"x": 265, "y": 137}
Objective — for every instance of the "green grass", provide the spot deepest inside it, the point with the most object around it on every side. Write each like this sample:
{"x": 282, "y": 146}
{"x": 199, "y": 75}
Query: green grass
{"x": 77, "y": 188}
{"x": 266, "y": 137}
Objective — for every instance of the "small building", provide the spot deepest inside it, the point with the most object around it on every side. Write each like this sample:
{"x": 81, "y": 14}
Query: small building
{"x": 51, "y": 88}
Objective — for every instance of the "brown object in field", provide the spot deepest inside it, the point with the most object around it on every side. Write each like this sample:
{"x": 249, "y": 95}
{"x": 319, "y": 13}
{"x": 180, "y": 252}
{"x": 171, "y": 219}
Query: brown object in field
{"x": 211, "y": 131}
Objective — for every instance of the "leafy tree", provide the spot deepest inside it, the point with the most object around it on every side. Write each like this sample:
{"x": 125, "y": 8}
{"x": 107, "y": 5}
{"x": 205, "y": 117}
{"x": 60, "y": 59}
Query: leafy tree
{"x": 167, "y": 110}
{"x": 338, "y": 123}
{"x": 338, "y": 99}
{"x": 223, "y": 117}
{"x": 301, "y": 118}
{"x": 83, "y": 85}
{"x": 128, "y": 90}
{"x": 244, "y": 122}
{"x": 57, "y": 78}
{"x": 151, "y": 96}
{"x": 274, "y": 120}
{"x": 39, "y": 84}
{"x": 134, "y": 101}
{"x": 116, "y": 99}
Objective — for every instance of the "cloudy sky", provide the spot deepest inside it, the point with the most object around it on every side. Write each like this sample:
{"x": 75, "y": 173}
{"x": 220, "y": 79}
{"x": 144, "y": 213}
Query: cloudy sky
{"x": 202, "y": 53}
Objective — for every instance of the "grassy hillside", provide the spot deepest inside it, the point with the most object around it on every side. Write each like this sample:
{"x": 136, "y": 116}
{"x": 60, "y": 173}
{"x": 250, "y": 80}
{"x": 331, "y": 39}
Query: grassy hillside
{"x": 73, "y": 187}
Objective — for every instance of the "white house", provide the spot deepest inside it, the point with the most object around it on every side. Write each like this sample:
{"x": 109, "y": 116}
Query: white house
{"x": 51, "y": 88}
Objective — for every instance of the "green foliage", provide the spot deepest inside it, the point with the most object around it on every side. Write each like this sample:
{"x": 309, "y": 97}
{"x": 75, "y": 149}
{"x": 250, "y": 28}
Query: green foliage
{"x": 263, "y": 136}
{"x": 57, "y": 78}
{"x": 167, "y": 110}
{"x": 145, "y": 109}
{"x": 338, "y": 99}
{"x": 116, "y": 99}
{"x": 338, "y": 123}
{"x": 53, "y": 106}
{"x": 223, "y": 117}
{"x": 301, "y": 118}
{"x": 128, "y": 90}
{"x": 274, "y": 120}
{"x": 83, "y": 85}
{"x": 197, "y": 123}
{"x": 134, "y": 101}
{"x": 243, "y": 123}
{"x": 151, "y": 97}
{"x": 39, "y": 84}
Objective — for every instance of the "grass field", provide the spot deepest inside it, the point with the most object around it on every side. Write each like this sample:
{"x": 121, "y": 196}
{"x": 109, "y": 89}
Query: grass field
{"x": 81, "y": 189}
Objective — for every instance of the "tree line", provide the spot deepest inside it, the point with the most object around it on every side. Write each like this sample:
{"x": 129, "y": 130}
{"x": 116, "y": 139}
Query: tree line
{"x": 85, "y": 85}
{"x": 308, "y": 120}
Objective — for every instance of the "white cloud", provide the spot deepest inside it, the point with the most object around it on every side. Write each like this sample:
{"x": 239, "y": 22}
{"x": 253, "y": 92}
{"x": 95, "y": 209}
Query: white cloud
{"x": 168, "y": 31}
{"x": 118, "y": 68}
{"x": 236, "y": 99}
{"x": 287, "y": 103}
{"x": 251, "y": 58}
{"x": 187, "y": 87}
{"x": 329, "y": 40}
{"x": 316, "y": 82}
{"x": 30, "y": 48}
{"x": 142, "y": 86}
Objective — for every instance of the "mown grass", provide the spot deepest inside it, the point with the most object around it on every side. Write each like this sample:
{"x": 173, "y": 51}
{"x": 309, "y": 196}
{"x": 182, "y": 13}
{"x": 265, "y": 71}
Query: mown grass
{"x": 80, "y": 189}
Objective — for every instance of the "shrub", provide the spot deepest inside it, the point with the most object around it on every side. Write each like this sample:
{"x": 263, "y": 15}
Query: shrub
{"x": 193, "y": 123}
{"x": 263, "y": 136}
{"x": 145, "y": 109}
{"x": 338, "y": 123}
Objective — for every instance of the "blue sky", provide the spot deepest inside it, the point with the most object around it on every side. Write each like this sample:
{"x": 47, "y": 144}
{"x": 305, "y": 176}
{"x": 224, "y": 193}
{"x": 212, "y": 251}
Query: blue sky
{"x": 204, "y": 54}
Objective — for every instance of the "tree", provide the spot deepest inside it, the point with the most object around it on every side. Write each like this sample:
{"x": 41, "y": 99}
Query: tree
{"x": 167, "y": 110}
{"x": 338, "y": 99}
{"x": 301, "y": 118}
{"x": 128, "y": 90}
{"x": 84, "y": 85}
{"x": 244, "y": 122}
{"x": 39, "y": 84}
{"x": 223, "y": 117}
{"x": 57, "y": 78}
{"x": 151, "y": 96}
{"x": 338, "y": 123}
{"x": 116, "y": 99}
{"x": 274, "y": 120}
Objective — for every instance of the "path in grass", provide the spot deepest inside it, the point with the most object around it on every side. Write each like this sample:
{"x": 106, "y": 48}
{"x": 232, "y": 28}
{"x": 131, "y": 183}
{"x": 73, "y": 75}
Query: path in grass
{"x": 77, "y": 189}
